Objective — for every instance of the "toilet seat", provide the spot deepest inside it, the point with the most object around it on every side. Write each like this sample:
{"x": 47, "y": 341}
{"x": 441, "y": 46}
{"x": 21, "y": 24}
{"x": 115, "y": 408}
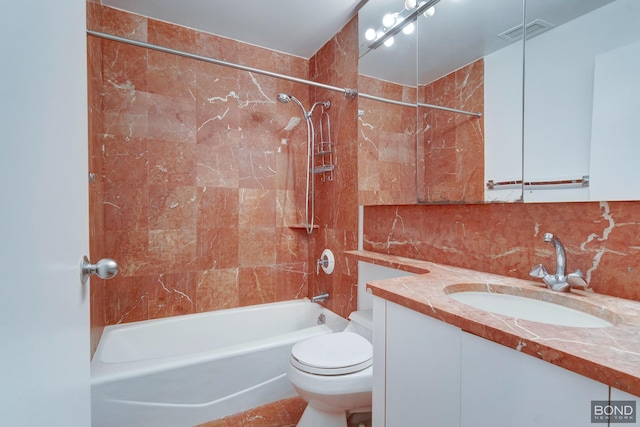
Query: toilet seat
{"x": 339, "y": 353}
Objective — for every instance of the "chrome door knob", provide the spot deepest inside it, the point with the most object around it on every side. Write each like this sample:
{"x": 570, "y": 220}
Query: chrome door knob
{"x": 106, "y": 268}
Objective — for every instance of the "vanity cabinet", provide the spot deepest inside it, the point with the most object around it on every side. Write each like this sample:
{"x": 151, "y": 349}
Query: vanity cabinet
{"x": 504, "y": 387}
{"x": 422, "y": 369}
{"x": 427, "y": 372}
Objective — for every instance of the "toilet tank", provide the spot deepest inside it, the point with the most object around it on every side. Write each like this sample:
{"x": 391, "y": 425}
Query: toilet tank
{"x": 368, "y": 272}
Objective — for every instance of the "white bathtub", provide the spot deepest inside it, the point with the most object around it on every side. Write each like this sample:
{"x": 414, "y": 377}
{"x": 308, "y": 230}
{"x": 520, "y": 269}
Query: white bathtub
{"x": 186, "y": 370}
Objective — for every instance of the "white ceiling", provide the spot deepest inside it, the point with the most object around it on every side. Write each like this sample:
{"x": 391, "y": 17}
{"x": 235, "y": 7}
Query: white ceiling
{"x": 297, "y": 27}
{"x": 460, "y": 32}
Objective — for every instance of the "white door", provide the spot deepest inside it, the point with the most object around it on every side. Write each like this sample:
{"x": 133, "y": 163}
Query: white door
{"x": 44, "y": 310}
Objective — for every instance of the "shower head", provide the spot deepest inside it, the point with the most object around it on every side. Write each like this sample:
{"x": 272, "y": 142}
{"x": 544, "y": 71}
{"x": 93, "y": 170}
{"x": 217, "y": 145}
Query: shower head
{"x": 284, "y": 98}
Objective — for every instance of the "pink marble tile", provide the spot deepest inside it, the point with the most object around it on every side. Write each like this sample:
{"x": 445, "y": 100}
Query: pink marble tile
{"x": 283, "y": 413}
{"x": 172, "y": 119}
{"x": 125, "y": 207}
{"x": 217, "y": 47}
{"x": 204, "y": 169}
{"x": 507, "y": 238}
{"x": 451, "y": 148}
{"x": 170, "y": 35}
{"x": 172, "y": 295}
{"x": 171, "y": 250}
{"x": 172, "y": 207}
{"x": 256, "y": 247}
{"x": 171, "y": 163}
{"x": 257, "y": 209}
{"x": 171, "y": 75}
{"x": 127, "y": 299}
{"x": 257, "y": 285}
{"x": 129, "y": 248}
{"x": 124, "y": 67}
{"x": 217, "y": 106}
{"x": 217, "y": 289}
{"x": 218, "y": 207}
{"x": 216, "y": 166}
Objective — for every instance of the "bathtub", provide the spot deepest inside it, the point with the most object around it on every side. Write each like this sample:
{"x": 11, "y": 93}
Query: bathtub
{"x": 186, "y": 370}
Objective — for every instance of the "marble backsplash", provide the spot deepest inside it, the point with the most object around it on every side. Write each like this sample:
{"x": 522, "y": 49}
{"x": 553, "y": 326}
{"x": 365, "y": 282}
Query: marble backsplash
{"x": 600, "y": 238}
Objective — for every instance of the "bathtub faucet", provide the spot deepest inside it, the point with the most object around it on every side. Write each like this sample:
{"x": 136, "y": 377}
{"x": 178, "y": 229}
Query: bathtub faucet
{"x": 320, "y": 298}
{"x": 559, "y": 281}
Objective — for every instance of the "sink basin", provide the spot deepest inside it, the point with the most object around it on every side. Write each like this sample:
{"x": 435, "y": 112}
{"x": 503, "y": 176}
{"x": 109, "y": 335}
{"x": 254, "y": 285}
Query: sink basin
{"x": 535, "y": 305}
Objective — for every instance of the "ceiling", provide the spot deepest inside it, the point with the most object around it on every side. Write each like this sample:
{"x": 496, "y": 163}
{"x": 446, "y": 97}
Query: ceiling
{"x": 297, "y": 27}
{"x": 460, "y": 32}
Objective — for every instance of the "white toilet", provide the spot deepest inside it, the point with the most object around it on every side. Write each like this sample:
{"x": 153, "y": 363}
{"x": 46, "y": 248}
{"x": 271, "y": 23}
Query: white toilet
{"x": 333, "y": 373}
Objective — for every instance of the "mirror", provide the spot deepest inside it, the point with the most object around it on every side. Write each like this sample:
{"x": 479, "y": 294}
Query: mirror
{"x": 558, "y": 130}
{"x": 387, "y": 110}
{"x": 465, "y": 63}
{"x": 434, "y": 155}
{"x": 582, "y": 88}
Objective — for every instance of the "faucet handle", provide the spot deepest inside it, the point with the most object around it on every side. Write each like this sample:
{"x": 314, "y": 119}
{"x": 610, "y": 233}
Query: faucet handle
{"x": 538, "y": 271}
{"x": 576, "y": 280}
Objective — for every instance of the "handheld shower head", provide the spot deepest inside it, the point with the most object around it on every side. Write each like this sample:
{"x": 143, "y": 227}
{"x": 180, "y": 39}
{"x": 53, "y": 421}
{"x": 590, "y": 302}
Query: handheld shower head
{"x": 284, "y": 98}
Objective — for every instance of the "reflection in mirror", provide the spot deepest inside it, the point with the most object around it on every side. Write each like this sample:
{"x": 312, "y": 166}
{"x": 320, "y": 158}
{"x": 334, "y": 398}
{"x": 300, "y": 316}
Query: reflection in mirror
{"x": 387, "y": 112}
{"x": 465, "y": 62}
{"x": 582, "y": 88}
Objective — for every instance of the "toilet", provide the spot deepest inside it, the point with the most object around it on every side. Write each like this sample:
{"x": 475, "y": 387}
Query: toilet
{"x": 333, "y": 373}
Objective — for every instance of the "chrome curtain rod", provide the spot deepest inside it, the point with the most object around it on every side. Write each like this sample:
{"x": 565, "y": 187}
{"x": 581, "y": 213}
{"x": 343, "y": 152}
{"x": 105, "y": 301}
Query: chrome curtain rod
{"x": 348, "y": 92}
{"x": 419, "y": 104}
{"x": 453, "y": 110}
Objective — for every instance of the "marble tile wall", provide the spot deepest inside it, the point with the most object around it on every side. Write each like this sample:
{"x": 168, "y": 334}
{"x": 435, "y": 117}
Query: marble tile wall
{"x": 199, "y": 173}
{"x": 600, "y": 238}
{"x": 451, "y": 145}
{"x": 337, "y": 200}
{"x": 386, "y": 144}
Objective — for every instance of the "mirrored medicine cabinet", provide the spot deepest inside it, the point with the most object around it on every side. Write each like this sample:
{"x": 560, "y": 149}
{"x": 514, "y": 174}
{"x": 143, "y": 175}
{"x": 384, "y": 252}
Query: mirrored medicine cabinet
{"x": 499, "y": 101}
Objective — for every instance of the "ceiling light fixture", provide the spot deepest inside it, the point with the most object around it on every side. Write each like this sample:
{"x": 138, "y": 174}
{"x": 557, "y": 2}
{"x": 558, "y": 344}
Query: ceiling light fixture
{"x": 409, "y": 29}
{"x": 429, "y": 12}
{"x": 393, "y": 23}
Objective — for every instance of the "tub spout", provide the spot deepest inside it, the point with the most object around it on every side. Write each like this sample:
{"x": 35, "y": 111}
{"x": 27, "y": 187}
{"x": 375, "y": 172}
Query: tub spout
{"x": 321, "y": 297}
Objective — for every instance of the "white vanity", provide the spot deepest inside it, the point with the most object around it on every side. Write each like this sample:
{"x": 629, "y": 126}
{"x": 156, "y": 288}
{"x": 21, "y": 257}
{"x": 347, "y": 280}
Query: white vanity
{"x": 439, "y": 362}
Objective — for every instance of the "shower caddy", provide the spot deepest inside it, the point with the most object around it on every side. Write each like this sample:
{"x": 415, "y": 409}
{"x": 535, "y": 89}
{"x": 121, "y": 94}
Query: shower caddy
{"x": 323, "y": 150}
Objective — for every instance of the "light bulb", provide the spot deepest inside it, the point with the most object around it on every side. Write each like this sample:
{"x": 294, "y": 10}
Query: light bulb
{"x": 410, "y": 4}
{"x": 370, "y": 34}
{"x": 389, "y": 42}
{"x": 388, "y": 20}
{"x": 409, "y": 28}
{"x": 430, "y": 12}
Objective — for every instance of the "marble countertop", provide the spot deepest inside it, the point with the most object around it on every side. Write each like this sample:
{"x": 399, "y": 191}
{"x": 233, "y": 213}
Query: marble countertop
{"x": 610, "y": 355}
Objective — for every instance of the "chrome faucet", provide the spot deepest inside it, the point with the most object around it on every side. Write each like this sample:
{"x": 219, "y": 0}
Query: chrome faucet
{"x": 559, "y": 281}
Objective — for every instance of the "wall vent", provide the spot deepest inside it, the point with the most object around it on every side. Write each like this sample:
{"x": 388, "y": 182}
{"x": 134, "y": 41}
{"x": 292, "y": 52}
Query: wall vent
{"x": 534, "y": 28}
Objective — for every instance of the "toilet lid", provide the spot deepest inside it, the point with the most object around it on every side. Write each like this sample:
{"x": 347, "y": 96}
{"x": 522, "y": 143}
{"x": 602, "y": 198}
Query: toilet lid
{"x": 332, "y": 354}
